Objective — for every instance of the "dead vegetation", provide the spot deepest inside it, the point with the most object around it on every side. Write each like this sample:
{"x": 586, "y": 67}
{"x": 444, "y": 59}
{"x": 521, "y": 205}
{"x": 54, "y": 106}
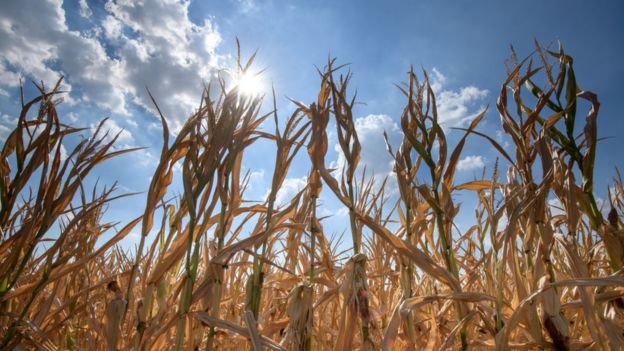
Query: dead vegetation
{"x": 227, "y": 273}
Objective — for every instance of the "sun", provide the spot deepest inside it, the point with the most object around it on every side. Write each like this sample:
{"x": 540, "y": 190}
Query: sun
{"x": 249, "y": 84}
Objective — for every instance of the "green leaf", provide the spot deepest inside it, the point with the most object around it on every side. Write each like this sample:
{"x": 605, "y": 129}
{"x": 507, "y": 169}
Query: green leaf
{"x": 420, "y": 149}
{"x": 570, "y": 114}
{"x": 538, "y": 93}
{"x": 4, "y": 286}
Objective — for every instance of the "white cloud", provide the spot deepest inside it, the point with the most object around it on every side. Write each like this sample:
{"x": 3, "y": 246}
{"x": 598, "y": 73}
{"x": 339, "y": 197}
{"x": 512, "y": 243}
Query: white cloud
{"x": 469, "y": 163}
{"x": 154, "y": 45}
{"x": 374, "y": 155}
{"x": 437, "y": 80}
{"x": 500, "y": 135}
{"x": 8, "y": 124}
{"x": 64, "y": 153}
{"x": 502, "y": 139}
{"x": 4, "y": 132}
{"x": 85, "y": 11}
{"x": 113, "y": 28}
{"x": 456, "y": 107}
{"x": 289, "y": 189}
{"x": 256, "y": 175}
{"x": 7, "y": 77}
{"x": 72, "y": 116}
{"x": 27, "y": 41}
{"x": 256, "y": 178}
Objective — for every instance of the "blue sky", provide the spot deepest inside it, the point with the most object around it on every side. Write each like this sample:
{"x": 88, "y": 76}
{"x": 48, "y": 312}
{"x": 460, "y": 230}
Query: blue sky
{"x": 110, "y": 50}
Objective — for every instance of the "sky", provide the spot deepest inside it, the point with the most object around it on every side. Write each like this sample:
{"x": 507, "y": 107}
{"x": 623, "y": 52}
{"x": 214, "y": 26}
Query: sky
{"x": 110, "y": 51}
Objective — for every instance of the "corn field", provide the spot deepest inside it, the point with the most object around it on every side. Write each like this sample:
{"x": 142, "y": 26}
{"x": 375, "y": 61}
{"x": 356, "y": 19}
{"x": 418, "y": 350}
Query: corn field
{"x": 227, "y": 273}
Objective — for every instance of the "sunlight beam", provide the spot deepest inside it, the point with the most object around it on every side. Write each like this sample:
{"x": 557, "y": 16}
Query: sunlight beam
{"x": 249, "y": 84}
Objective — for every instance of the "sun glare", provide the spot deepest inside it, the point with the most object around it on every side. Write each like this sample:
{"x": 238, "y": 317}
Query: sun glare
{"x": 250, "y": 84}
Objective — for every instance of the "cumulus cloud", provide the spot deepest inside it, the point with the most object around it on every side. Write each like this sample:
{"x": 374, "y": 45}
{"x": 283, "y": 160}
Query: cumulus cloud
{"x": 374, "y": 155}
{"x": 289, "y": 189}
{"x": 437, "y": 80}
{"x": 256, "y": 178}
{"x": 64, "y": 153}
{"x": 471, "y": 162}
{"x": 85, "y": 11}
{"x": 134, "y": 45}
{"x": 456, "y": 107}
{"x": 4, "y": 132}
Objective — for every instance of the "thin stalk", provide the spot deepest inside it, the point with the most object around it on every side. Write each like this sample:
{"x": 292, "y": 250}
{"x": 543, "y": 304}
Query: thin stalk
{"x": 451, "y": 265}
{"x": 407, "y": 272}
{"x": 256, "y": 292}
{"x": 313, "y": 231}
{"x": 354, "y": 233}
{"x": 133, "y": 274}
{"x": 191, "y": 272}
{"x": 216, "y": 298}
{"x": 356, "y": 247}
{"x": 497, "y": 273}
